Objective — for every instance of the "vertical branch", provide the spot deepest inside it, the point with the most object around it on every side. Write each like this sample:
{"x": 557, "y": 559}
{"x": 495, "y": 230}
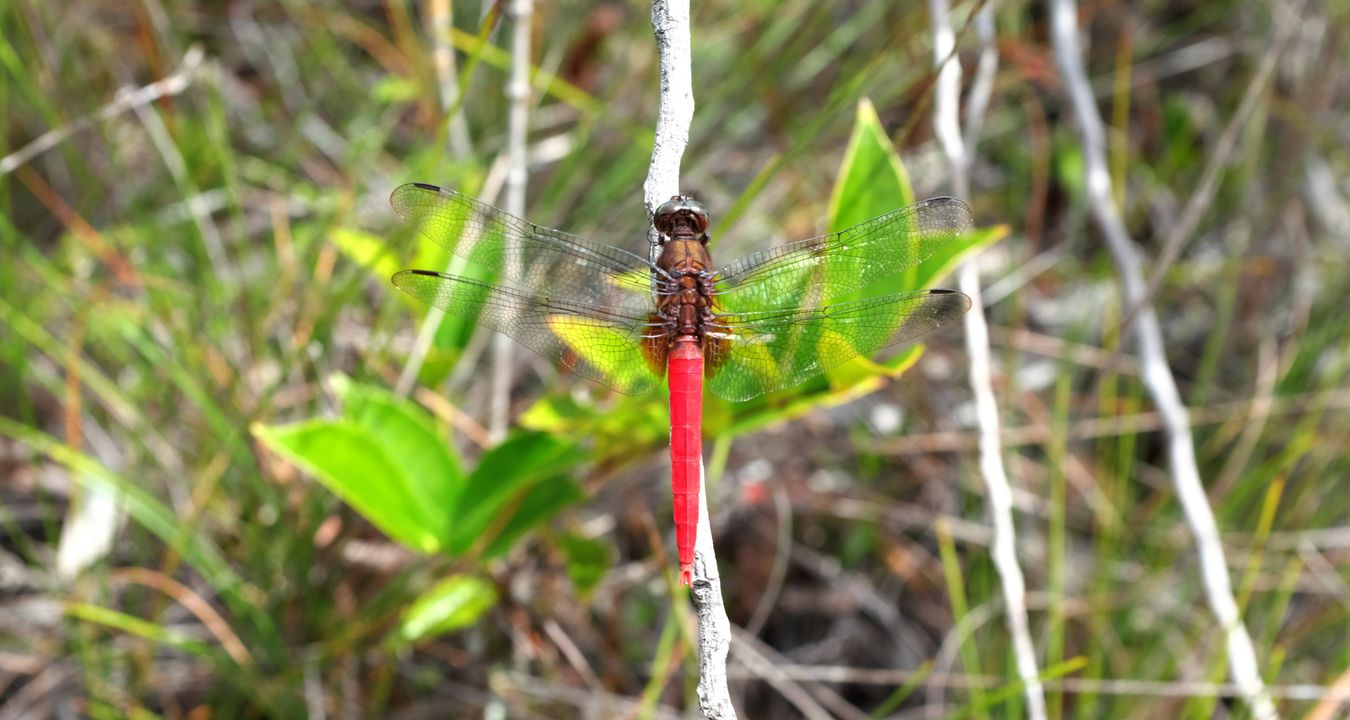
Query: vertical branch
{"x": 441, "y": 18}
{"x": 518, "y": 95}
{"x": 1156, "y": 373}
{"x": 670, "y": 23}
{"x": 960, "y": 151}
{"x": 441, "y": 22}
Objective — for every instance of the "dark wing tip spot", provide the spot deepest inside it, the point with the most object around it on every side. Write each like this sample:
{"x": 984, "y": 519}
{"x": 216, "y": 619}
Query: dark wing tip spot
{"x": 427, "y": 186}
{"x": 402, "y": 274}
{"x": 963, "y": 298}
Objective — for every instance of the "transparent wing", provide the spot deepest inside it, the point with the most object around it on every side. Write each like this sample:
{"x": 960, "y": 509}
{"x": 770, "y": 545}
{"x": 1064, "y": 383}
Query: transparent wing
{"x": 757, "y": 352}
{"x": 604, "y": 344}
{"x": 835, "y": 267}
{"x": 541, "y": 260}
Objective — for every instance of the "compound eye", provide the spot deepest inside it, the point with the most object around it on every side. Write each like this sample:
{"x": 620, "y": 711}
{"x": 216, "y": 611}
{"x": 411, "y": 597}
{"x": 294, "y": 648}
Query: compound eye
{"x": 668, "y": 214}
{"x": 698, "y": 211}
{"x": 668, "y": 208}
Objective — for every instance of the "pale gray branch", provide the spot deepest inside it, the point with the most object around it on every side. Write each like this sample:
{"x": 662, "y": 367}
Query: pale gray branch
{"x": 1156, "y": 373}
{"x": 518, "y": 95}
{"x": 670, "y": 23}
{"x": 960, "y": 151}
{"x": 126, "y": 99}
{"x": 440, "y": 16}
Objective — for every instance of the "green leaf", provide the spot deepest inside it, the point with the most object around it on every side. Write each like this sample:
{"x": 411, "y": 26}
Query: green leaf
{"x": 368, "y": 251}
{"x": 626, "y": 428}
{"x": 453, "y": 603}
{"x": 408, "y": 434}
{"x": 946, "y": 260}
{"x": 557, "y": 414}
{"x": 587, "y": 560}
{"x": 872, "y": 179}
{"x": 348, "y": 460}
{"x": 537, "y": 505}
{"x": 505, "y": 477}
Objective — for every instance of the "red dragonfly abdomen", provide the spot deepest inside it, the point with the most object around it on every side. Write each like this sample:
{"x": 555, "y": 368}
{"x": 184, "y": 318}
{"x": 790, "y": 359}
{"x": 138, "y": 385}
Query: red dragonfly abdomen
{"x": 686, "y": 445}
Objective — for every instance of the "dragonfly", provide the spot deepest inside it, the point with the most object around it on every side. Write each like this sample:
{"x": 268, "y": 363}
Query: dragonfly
{"x": 768, "y": 321}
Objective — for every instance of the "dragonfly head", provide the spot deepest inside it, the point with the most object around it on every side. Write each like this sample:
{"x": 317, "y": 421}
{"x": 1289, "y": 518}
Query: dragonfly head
{"x": 681, "y": 216}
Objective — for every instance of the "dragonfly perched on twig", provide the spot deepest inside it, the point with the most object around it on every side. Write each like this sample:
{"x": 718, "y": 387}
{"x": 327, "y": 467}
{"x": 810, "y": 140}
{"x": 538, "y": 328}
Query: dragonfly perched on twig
{"x": 768, "y": 321}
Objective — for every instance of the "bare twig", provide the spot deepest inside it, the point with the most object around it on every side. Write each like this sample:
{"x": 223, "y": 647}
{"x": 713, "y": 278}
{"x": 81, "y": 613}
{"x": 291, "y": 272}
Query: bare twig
{"x": 714, "y": 628}
{"x": 518, "y": 94}
{"x": 125, "y": 100}
{"x": 761, "y": 660}
{"x": 1157, "y": 375}
{"x": 440, "y": 16}
{"x": 670, "y": 23}
{"x": 960, "y": 152}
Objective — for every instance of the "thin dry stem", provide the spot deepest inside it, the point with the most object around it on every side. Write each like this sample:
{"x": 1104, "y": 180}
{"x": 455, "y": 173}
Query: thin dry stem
{"x": 960, "y": 152}
{"x": 670, "y": 23}
{"x": 1156, "y": 373}
{"x": 518, "y": 94}
{"x": 440, "y": 15}
{"x": 126, "y": 99}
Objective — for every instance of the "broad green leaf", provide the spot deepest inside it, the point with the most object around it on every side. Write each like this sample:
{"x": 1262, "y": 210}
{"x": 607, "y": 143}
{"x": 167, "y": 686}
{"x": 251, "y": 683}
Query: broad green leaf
{"x": 610, "y": 350}
{"x": 368, "y": 251}
{"x": 453, "y": 603}
{"x": 946, "y": 260}
{"x": 558, "y": 414}
{"x": 500, "y": 484}
{"x": 626, "y": 429}
{"x": 408, "y": 434}
{"x": 786, "y": 405}
{"x": 538, "y": 504}
{"x": 872, "y": 179}
{"x": 587, "y": 560}
{"x": 349, "y": 461}
{"x": 846, "y": 376}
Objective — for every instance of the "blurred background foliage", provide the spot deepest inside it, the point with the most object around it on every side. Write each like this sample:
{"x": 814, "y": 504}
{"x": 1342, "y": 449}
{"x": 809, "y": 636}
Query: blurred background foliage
{"x": 195, "y": 326}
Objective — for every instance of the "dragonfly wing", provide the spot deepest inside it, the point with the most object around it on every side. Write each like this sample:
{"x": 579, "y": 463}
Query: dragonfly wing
{"x": 604, "y": 344}
{"x": 529, "y": 256}
{"x": 832, "y": 268}
{"x": 772, "y": 350}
